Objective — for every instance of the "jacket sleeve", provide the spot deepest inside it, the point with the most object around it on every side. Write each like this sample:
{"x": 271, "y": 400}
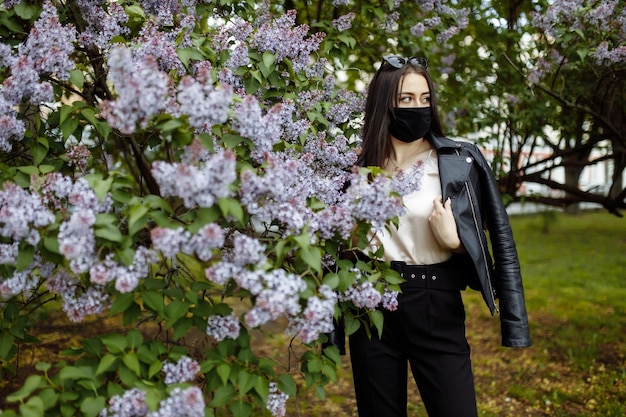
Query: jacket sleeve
{"x": 507, "y": 277}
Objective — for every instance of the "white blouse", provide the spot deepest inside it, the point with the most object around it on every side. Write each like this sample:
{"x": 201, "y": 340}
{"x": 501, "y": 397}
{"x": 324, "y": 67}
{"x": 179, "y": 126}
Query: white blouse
{"x": 413, "y": 241}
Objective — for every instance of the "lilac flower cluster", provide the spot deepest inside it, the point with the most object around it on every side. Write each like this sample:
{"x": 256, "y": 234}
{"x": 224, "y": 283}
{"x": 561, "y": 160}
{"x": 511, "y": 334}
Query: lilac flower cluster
{"x": 390, "y": 300}
{"x": 25, "y": 280}
{"x": 172, "y": 241}
{"x": 187, "y": 402}
{"x": 198, "y": 186}
{"x": 222, "y": 327}
{"x": 276, "y": 400}
{"x": 46, "y": 51}
{"x": 264, "y": 130}
{"x": 126, "y": 277}
{"x": 21, "y": 213}
{"x": 362, "y": 293}
{"x": 77, "y": 240}
{"x": 372, "y": 201}
{"x": 159, "y": 45}
{"x": 78, "y": 302}
{"x": 142, "y": 90}
{"x": 280, "y": 194}
{"x": 184, "y": 370}
{"x": 347, "y": 104}
{"x": 8, "y": 252}
{"x": 316, "y": 318}
{"x": 203, "y": 105}
{"x": 286, "y": 40}
{"x": 344, "y": 22}
{"x": 409, "y": 181}
{"x": 50, "y": 44}
{"x": 131, "y": 404}
{"x": 102, "y": 25}
{"x": 78, "y": 155}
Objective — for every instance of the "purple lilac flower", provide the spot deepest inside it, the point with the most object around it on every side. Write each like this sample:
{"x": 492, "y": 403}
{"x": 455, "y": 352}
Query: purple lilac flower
{"x": 279, "y": 297}
{"x": 6, "y": 55}
{"x": 142, "y": 90}
{"x": 77, "y": 239}
{"x": 286, "y": 40}
{"x": 102, "y": 25}
{"x": 78, "y": 155}
{"x": 222, "y": 327}
{"x": 264, "y": 130}
{"x": 92, "y": 301}
{"x": 280, "y": 194}
{"x": 603, "y": 54}
{"x": 24, "y": 83}
{"x": 130, "y": 404}
{"x": 209, "y": 237}
{"x": 344, "y": 22}
{"x": 238, "y": 57}
{"x": 21, "y": 213}
{"x": 371, "y": 201}
{"x": 198, "y": 186}
{"x": 248, "y": 251}
{"x": 333, "y": 220}
{"x": 316, "y": 318}
{"x": 276, "y": 400}
{"x": 159, "y": 45}
{"x": 345, "y": 106}
{"x": 390, "y": 300}
{"x": 362, "y": 293}
{"x": 391, "y": 22}
{"x": 169, "y": 241}
{"x": 8, "y": 253}
{"x": 204, "y": 105}
{"x": 10, "y": 126}
{"x": 187, "y": 402}
{"x": 184, "y": 370}
{"x": 409, "y": 181}
{"x": 49, "y": 44}
{"x": 19, "y": 282}
{"x": 337, "y": 3}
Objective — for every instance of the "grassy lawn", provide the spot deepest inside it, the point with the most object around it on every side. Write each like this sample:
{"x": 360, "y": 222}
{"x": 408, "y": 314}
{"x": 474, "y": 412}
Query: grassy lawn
{"x": 574, "y": 270}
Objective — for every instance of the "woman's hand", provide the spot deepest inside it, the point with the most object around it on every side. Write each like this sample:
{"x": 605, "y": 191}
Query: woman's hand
{"x": 443, "y": 225}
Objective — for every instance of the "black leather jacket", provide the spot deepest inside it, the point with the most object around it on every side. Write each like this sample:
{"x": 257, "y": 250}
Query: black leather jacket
{"x": 467, "y": 179}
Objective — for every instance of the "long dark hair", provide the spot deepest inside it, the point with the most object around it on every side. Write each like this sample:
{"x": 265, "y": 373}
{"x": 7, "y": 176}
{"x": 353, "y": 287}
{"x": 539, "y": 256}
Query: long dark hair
{"x": 381, "y": 99}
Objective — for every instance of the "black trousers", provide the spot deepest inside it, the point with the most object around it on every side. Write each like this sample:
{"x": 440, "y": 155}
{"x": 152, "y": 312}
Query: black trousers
{"x": 428, "y": 331}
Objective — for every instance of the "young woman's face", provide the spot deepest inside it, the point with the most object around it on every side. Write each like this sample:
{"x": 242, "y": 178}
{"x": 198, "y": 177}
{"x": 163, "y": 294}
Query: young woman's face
{"x": 413, "y": 91}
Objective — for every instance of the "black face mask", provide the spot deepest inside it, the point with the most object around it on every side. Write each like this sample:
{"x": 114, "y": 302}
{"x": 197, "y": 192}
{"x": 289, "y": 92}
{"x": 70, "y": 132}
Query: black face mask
{"x": 409, "y": 124}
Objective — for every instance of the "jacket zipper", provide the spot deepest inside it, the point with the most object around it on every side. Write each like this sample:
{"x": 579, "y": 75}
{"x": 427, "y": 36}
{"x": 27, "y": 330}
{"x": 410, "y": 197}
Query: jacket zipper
{"x": 482, "y": 247}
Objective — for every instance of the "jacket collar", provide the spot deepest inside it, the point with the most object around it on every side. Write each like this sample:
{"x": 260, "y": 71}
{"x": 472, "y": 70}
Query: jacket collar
{"x": 442, "y": 143}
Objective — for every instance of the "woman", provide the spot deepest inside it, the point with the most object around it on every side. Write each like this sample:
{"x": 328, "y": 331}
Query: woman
{"x": 439, "y": 248}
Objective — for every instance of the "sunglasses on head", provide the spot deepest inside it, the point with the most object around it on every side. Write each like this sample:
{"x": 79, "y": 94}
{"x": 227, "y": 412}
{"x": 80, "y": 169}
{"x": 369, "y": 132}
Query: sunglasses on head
{"x": 397, "y": 61}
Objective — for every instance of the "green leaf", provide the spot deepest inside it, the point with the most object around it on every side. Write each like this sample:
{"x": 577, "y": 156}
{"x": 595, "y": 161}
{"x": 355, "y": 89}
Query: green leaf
{"x": 134, "y": 338}
{"x": 26, "y": 11}
{"x": 122, "y": 302}
{"x": 74, "y": 373}
{"x": 246, "y": 381}
{"x": 377, "y": 319}
{"x": 33, "y": 408}
{"x": 155, "y": 368}
{"x": 25, "y": 256}
{"x": 91, "y": 406}
{"x": 154, "y": 301}
{"x": 222, "y": 396}
{"x": 115, "y": 343}
{"x": 175, "y": 310}
{"x": 287, "y": 385}
{"x": 332, "y": 280}
{"x": 77, "y": 78}
{"x": 30, "y": 385}
{"x": 352, "y": 324}
{"x": 106, "y": 364}
{"x": 241, "y": 409}
{"x": 223, "y": 371}
{"x": 6, "y": 345}
{"x": 132, "y": 362}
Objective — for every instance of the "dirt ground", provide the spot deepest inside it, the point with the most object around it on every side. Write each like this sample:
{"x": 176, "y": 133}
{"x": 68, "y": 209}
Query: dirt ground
{"x": 509, "y": 382}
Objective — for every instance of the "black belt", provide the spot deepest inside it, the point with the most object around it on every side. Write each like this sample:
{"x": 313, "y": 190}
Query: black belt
{"x": 441, "y": 276}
